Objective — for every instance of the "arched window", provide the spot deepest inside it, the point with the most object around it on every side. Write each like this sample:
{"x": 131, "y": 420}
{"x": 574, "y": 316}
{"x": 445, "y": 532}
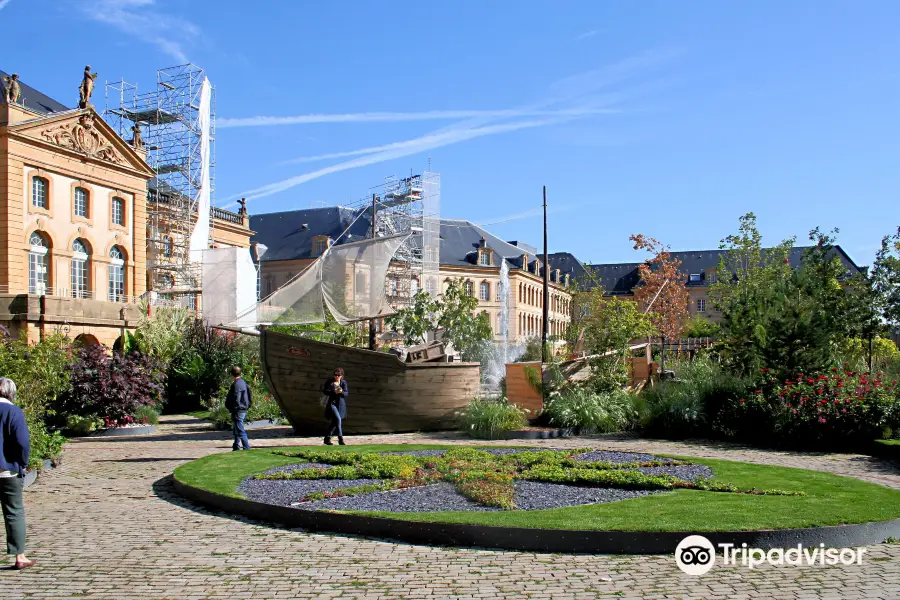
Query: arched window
{"x": 361, "y": 284}
{"x": 81, "y": 202}
{"x": 168, "y": 245}
{"x": 79, "y": 272}
{"x": 166, "y": 281}
{"x": 470, "y": 289}
{"x": 484, "y": 291}
{"x": 39, "y": 187}
{"x": 413, "y": 286}
{"x": 118, "y": 211}
{"x": 116, "y": 275}
{"x": 38, "y": 277}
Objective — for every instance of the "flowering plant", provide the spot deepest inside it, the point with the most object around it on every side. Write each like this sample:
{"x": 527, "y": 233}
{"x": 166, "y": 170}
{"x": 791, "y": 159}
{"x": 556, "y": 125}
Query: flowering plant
{"x": 840, "y": 407}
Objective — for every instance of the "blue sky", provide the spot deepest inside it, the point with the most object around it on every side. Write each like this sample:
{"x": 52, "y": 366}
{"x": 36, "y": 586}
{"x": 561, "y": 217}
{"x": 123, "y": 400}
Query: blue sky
{"x": 665, "y": 118}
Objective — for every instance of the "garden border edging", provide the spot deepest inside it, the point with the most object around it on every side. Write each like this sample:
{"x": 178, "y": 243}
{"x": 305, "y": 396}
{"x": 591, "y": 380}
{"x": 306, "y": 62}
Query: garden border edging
{"x": 534, "y": 540}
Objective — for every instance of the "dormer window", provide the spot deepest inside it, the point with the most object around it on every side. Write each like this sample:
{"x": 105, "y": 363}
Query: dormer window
{"x": 711, "y": 277}
{"x": 484, "y": 257}
{"x": 694, "y": 278}
{"x": 320, "y": 243}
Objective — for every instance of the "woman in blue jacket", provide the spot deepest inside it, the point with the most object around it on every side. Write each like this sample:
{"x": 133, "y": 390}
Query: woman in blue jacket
{"x": 336, "y": 392}
{"x": 16, "y": 445}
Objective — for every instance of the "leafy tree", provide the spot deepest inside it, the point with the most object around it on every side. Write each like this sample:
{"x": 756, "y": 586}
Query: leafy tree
{"x": 417, "y": 319}
{"x": 462, "y": 327}
{"x": 454, "y": 312}
{"x": 745, "y": 293}
{"x": 662, "y": 287}
{"x": 700, "y": 327}
{"x": 885, "y": 278}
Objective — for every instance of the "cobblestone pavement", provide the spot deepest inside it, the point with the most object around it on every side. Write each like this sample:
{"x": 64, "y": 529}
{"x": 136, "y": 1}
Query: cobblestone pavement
{"x": 107, "y": 525}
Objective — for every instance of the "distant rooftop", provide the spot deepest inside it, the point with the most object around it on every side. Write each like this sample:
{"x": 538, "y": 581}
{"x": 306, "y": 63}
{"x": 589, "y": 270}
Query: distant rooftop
{"x": 33, "y": 99}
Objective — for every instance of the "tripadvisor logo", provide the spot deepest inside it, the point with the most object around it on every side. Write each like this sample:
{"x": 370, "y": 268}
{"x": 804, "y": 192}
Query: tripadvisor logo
{"x": 696, "y": 555}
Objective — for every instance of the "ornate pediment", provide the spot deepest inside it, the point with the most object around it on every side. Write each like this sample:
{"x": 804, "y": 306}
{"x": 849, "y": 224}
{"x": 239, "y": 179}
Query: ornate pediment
{"x": 84, "y": 136}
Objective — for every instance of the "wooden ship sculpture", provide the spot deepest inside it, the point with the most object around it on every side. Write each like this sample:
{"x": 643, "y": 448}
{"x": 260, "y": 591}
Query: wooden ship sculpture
{"x": 420, "y": 391}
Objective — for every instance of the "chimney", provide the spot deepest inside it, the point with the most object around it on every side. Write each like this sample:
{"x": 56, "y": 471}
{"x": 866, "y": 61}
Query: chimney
{"x": 482, "y": 243}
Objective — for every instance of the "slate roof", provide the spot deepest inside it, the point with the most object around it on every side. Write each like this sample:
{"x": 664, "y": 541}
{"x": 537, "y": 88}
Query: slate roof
{"x": 288, "y": 235}
{"x": 286, "y": 238}
{"x": 621, "y": 278}
{"x": 33, "y": 99}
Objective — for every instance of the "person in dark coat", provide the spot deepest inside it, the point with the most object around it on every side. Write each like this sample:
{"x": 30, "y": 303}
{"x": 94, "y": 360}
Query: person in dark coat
{"x": 336, "y": 392}
{"x": 15, "y": 443}
{"x": 238, "y": 402}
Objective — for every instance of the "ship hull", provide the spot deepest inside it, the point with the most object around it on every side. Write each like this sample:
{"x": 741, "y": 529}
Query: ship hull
{"x": 386, "y": 395}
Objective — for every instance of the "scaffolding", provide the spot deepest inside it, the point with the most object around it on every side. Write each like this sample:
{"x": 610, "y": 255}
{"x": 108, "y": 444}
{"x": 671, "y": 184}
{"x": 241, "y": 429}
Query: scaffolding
{"x": 409, "y": 204}
{"x": 169, "y": 119}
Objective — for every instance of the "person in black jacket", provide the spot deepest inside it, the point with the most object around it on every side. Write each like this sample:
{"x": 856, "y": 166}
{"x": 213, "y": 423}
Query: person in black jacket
{"x": 336, "y": 391}
{"x": 15, "y": 443}
{"x": 238, "y": 402}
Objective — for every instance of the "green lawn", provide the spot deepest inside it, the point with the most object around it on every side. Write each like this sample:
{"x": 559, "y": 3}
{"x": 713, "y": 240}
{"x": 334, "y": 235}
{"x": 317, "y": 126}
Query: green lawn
{"x": 830, "y": 500}
{"x": 199, "y": 414}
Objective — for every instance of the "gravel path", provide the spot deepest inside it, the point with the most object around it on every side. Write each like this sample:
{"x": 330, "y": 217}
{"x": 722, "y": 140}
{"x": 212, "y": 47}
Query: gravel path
{"x": 619, "y": 457}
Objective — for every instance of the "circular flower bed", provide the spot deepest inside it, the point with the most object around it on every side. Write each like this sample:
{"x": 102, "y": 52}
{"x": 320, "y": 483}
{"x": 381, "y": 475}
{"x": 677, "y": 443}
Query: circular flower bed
{"x": 469, "y": 479}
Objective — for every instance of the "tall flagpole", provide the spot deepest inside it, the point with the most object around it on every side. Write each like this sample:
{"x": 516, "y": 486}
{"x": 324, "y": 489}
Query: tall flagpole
{"x": 546, "y": 301}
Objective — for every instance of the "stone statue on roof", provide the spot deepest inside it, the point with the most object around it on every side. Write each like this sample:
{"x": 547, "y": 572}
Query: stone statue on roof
{"x": 86, "y": 89}
{"x": 137, "y": 142}
{"x": 12, "y": 88}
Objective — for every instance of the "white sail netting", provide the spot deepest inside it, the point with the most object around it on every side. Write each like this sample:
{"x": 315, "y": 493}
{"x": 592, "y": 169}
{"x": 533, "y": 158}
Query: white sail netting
{"x": 349, "y": 279}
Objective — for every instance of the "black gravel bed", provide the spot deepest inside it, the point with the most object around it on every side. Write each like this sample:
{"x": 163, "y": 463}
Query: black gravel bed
{"x": 287, "y": 492}
{"x": 685, "y": 472}
{"x": 538, "y": 495}
{"x": 619, "y": 457}
{"x": 436, "y": 497}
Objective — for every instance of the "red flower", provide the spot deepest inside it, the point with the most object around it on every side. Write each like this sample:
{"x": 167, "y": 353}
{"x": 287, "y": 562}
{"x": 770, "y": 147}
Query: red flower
{"x": 821, "y": 419}
{"x": 758, "y": 392}
{"x": 742, "y": 400}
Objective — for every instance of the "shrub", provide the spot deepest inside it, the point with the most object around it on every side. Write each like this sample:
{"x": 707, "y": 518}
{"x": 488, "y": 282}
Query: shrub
{"x": 41, "y": 376}
{"x": 699, "y": 403}
{"x": 112, "y": 386}
{"x": 197, "y": 374}
{"x": 146, "y": 415}
{"x": 83, "y": 425}
{"x": 830, "y": 409}
{"x": 489, "y": 418}
{"x": 701, "y": 327}
{"x": 592, "y": 412}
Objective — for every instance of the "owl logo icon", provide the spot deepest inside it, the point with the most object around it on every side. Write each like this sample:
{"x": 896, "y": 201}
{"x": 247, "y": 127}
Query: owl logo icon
{"x": 695, "y": 555}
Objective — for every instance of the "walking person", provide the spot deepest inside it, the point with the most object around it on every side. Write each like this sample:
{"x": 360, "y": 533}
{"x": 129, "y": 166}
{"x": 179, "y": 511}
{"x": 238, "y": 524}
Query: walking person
{"x": 238, "y": 402}
{"x": 15, "y": 443}
{"x": 336, "y": 391}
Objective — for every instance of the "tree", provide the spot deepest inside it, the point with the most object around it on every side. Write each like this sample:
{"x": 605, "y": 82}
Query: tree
{"x": 699, "y": 327}
{"x": 454, "y": 312}
{"x": 662, "y": 287}
{"x": 417, "y": 319}
{"x": 464, "y": 329}
{"x": 744, "y": 292}
{"x": 885, "y": 278}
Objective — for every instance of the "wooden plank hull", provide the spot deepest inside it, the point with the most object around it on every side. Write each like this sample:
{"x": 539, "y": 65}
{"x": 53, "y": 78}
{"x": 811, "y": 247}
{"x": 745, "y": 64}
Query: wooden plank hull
{"x": 386, "y": 395}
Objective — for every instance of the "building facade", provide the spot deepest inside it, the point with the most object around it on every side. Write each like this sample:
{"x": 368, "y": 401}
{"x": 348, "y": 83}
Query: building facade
{"x": 294, "y": 239}
{"x": 73, "y": 230}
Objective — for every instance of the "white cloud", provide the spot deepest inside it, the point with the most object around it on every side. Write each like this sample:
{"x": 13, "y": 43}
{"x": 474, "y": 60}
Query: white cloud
{"x": 392, "y": 117}
{"x": 575, "y": 97}
{"x": 397, "y": 150}
{"x": 137, "y": 18}
{"x": 586, "y": 35}
{"x": 3, "y": 4}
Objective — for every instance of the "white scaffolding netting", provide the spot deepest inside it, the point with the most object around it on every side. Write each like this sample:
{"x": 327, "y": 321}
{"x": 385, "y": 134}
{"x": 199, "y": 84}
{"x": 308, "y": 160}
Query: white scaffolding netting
{"x": 229, "y": 287}
{"x": 200, "y": 236}
{"x": 349, "y": 279}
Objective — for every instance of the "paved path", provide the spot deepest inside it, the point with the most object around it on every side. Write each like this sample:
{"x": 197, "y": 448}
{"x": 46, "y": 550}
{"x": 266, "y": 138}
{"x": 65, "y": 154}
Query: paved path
{"x": 107, "y": 525}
